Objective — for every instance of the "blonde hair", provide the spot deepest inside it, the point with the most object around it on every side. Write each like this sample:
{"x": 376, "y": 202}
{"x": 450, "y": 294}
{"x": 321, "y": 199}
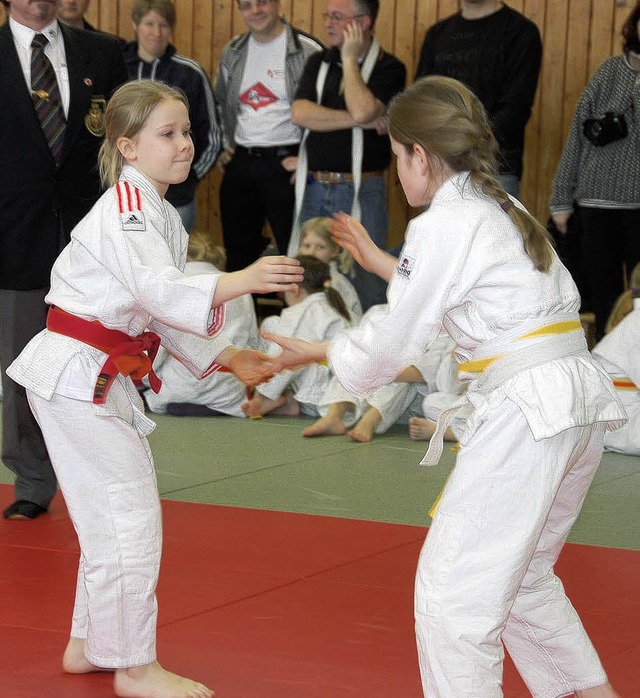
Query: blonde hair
{"x": 201, "y": 248}
{"x": 321, "y": 227}
{"x": 624, "y": 305}
{"x": 126, "y": 114}
{"x": 450, "y": 123}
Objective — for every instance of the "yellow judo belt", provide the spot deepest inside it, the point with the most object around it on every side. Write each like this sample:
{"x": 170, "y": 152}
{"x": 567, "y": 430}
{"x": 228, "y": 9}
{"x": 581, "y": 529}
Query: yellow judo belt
{"x": 479, "y": 365}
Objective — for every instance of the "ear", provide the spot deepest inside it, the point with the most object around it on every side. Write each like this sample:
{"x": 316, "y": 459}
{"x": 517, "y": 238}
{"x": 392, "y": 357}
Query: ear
{"x": 366, "y": 23}
{"x": 420, "y": 153}
{"x": 127, "y": 148}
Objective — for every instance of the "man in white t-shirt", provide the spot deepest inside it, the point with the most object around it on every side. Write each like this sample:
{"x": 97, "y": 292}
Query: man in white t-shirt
{"x": 257, "y": 78}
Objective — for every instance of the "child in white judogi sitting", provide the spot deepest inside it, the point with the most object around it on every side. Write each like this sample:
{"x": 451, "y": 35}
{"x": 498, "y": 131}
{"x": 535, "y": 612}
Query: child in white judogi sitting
{"x": 619, "y": 353}
{"x": 315, "y": 312}
{"x": 360, "y": 419}
{"x": 315, "y": 240}
{"x": 221, "y": 392}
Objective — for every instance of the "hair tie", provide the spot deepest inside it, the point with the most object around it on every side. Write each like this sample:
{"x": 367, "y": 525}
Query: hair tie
{"x": 507, "y": 205}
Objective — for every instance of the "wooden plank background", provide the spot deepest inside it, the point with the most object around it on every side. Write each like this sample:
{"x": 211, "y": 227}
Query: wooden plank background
{"x": 577, "y": 36}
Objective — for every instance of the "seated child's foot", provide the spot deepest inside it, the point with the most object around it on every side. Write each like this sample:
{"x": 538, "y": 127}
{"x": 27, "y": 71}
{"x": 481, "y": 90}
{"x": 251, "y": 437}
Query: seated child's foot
{"x": 260, "y": 405}
{"x": 74, "y": 660}
{"x": 365, "y": 429}
{"x": 286, "y": 405}
{"x": 326, "y": 426}
{"x": 421, "y": 429}
{"x": 152, "y": 681}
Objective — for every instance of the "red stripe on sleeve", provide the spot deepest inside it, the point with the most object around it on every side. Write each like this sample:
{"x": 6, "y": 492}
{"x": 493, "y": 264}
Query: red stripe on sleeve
{"x": 217, "y": 321}
{"x": 120, "y": 194}
{"x": 129, "y": 197}
{"x": 138, "y": 199}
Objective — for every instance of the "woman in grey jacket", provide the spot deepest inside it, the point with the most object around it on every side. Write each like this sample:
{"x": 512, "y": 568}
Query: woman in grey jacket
{"x": 599, "y": 169}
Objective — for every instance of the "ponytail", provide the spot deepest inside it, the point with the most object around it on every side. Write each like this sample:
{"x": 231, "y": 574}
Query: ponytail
{"x": 317, "y": 278}
{"x": 336, "y": 301}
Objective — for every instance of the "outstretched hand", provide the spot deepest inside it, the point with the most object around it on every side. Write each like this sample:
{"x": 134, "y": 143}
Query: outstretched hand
{"x": 347, "y": 232}
{"x": 274, "y": 273}
{"x": 251, "y": 366}
{"x": 295, "y": 352}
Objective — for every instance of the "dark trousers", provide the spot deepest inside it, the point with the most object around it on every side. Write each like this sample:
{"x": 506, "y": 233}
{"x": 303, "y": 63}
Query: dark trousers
{"x": 610, "y": 241}
{"x": 255, "y": 188}
{"x": 22, "y": 315}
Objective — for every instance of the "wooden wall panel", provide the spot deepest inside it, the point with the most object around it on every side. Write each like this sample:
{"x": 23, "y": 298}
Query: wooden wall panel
{"x": 577, "y": 36}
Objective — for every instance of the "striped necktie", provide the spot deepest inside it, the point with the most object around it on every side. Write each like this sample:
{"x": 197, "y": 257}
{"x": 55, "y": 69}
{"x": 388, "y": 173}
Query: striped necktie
{"x": 46, "y": 96}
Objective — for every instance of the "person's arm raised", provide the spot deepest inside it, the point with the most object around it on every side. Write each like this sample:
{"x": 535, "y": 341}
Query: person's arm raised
{"x": 268, "y": 274}
{"x": 347, "y": 232}
{"x": 362, "y": 104}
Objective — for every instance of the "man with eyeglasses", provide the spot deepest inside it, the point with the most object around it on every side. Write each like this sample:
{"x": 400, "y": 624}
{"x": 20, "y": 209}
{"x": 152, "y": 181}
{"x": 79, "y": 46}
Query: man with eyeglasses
{"x": 257, "y": 78}
{"x": 341, "y": 102}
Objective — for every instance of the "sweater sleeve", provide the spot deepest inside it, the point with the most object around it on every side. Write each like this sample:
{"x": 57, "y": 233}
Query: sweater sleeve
{"x": 514, "y": 104}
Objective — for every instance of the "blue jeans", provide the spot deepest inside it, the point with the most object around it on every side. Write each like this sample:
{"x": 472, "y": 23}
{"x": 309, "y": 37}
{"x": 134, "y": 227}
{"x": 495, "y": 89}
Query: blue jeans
{"x": 187, "y": 214}
{"x": 327, "y": 199}
{"x": 510, "y": 183}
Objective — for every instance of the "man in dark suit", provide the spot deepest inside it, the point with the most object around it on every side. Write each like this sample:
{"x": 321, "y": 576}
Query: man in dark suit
{"x": 45, "y": 189}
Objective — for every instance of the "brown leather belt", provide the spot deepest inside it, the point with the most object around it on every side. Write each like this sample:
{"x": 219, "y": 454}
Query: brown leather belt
{"x": 324, "y": 177}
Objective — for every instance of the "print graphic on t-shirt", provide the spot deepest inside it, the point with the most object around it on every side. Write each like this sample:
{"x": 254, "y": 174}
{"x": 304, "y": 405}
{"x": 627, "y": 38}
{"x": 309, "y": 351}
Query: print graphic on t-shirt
{"x": 258, "y": 96}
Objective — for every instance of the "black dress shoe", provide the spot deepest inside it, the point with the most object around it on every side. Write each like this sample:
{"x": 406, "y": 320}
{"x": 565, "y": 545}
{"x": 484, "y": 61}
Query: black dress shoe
{"x": 23, "y": 510}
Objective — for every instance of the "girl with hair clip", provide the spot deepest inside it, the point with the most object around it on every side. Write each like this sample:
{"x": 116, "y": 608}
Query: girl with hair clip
{"x": 315, "y": 240}
{"x": 619, "y": 353}
{"x": 117, "y": 291}
{"x": 476, "y": 265}
{"x": 315, "y": 312}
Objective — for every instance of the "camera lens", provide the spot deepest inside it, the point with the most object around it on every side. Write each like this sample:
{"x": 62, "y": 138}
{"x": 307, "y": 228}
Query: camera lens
{"x": 595, "y": 129}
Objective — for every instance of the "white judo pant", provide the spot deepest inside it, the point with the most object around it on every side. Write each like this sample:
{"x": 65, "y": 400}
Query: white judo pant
{"x": 107, "y": 476}
{"x": 485, "y": 575}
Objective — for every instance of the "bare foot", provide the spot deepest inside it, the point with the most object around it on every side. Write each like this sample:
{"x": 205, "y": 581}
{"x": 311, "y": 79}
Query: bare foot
{"x": 421, "y": 429}
{"x": 365, "y": 429}
{"x": 74, "y": 660}
{"x": 259, "y": 405}
{"x": 326, "y": 426}
{"x": 289, "y": 408}
{"x": 604, "y": 691}
{"x": 152, "y": 681}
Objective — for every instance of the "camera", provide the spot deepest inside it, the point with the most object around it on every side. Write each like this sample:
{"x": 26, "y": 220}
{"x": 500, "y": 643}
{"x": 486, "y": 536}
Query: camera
{"x": 612, "y": 127}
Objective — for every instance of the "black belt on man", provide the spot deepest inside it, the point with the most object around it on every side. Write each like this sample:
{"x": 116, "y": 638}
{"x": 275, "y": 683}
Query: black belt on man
{"x": 276, "y": 151}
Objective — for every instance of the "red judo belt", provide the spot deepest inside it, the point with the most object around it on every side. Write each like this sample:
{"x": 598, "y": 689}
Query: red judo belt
{"x": 128, "y": 356}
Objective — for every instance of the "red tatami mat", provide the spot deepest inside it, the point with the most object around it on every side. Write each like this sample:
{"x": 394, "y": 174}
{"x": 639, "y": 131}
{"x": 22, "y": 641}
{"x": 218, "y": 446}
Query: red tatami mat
{"x": 263, "y": 604}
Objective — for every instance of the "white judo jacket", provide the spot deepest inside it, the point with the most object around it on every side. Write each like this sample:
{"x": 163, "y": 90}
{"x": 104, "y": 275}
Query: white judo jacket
{"x": 313, "y": 320}
{"x": 619, "y": 354}
{"x": 463, "y": 269}
{"x": 124, "y": 267}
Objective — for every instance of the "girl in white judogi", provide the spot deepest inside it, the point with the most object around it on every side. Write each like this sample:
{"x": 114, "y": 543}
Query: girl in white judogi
{"x": 315, "y": 312}
{"x": 478, "y": 266}
{"x": 619, "y": 353}
{"x": 315, "y": 240}
{"x": 117, "y": 290}
{"x": 221, "y": 392}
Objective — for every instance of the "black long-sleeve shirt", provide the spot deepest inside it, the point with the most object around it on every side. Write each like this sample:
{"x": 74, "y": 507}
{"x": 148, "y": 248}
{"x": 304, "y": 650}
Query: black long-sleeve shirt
{"x": 498, "y": 57}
